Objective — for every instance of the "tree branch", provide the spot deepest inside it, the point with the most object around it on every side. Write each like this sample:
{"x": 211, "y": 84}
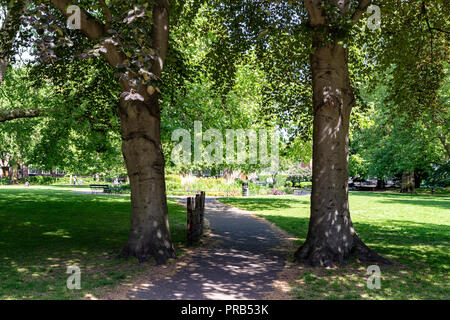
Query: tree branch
{"x": 8, "y": 32}
{"x": 362, "y": 7}
{"x": 107, "y": 13}
{"x": 316, "y": 16}
{"x": 6, "y": 115}
{"x": 160, "y": 33}
{"x": 94, "y": 30}
{"x": 440, "y": 30}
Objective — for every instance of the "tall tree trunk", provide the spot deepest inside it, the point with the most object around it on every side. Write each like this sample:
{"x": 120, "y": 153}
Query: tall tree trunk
{"x": 142, "y": 150}
{"x": 141, "y": 142}
{"x": 331, "y": 237}
{"x": 25, "y": 172}
{"x": 144, "y": 158}
{"x": 417, "y": 180}
{"x": 3, "y": 67}
{"x": 408, "y": 184}
{"x": 15, "y": 174}
{"x": 8, "y": 31}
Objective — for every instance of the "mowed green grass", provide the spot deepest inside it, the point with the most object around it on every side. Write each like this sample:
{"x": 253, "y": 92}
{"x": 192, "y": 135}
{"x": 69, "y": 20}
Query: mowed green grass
{"x": 43, "y": 230}
{"x": 411, "y": 230}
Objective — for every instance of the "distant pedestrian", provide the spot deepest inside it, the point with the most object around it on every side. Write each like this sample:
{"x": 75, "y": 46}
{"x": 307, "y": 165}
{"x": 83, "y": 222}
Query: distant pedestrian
{"x": 27, "y": 184}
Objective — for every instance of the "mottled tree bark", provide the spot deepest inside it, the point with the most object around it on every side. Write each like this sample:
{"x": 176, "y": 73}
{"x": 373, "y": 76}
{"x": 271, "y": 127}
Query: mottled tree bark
{"x": 3, "y": 67}
{"x": 8, "y": 32}
{"x": 141, "y": 147}
{"x": 331, "y": 237}
{"x": 408, "y": 183}
{"x": 142, "y": 150}
{"x": 7, "y": 115}
{"x": 14, "y": 174}
{"x": 141, "y": 142}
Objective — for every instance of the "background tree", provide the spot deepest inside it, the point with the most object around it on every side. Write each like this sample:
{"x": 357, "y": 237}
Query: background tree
{"x": 334, "y": 47}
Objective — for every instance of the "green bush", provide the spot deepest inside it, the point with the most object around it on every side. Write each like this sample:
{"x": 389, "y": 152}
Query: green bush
{"x": 212, "y": 186}
{"x": 306, "y": 185}
{"x": 281, "y": 180}
{"x": 123, "y": 189}
{"x": 439, "y": 177}
{"x": 298, "y": 180}
{"x": 39, "y": 180}
{"x": 5, "y": 181}
{"x": 288, "y": 190}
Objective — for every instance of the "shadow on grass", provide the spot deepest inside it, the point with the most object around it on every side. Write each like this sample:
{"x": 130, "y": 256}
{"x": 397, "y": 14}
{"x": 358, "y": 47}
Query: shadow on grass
{"x": 402, "y": 241}
{"x": 269, "y": 203}
{"x": 43, "y": 231}
{"x": 75, "y": 186}
{"x": 274, "y": 203}
{"x": 402, "y": 198}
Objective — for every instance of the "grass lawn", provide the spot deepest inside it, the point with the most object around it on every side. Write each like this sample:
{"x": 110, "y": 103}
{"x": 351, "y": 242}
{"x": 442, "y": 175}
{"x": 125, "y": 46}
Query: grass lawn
{"x": 411, "y": 230}
{"x": 45, "y": 229}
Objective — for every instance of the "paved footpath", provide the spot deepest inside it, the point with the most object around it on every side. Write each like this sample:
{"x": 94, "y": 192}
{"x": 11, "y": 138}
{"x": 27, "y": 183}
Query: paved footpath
{"x": 242, "y": 264}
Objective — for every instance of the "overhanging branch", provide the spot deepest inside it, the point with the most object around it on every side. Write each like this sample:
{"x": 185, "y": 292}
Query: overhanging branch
{"x": 362, "y": 7}
{"x": 93, "y": 29}
{"x": 107, "y": 13}
{"x": 315, "y": 13}
{"x": 6, "y": 115}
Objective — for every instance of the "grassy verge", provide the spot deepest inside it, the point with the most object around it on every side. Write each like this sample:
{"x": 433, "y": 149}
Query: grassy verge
{"x": 411, "y": 230}
{"x": 45, "y": 229}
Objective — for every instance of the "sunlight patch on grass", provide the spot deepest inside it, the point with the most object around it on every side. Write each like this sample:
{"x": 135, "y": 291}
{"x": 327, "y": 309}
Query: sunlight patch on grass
{"x": 411, "y": 230}
{"x": 46, "y": 229}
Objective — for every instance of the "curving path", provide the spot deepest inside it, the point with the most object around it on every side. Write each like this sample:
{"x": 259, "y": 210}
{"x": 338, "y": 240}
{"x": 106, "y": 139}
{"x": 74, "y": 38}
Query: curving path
{"x": 247, "y": 255}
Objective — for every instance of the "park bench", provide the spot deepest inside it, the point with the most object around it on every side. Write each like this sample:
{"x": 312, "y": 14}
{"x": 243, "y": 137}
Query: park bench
{"x": 104, "y": 187}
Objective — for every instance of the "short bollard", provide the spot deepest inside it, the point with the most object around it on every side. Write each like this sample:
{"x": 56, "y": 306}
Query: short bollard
{"x": 195, "y": 217}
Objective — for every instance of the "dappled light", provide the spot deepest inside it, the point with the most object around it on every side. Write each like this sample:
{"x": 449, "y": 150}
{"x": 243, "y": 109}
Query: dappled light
{"x": 413, "y": 231}
{"x": 45, "y": 230}
{"x": 242, "y": 264}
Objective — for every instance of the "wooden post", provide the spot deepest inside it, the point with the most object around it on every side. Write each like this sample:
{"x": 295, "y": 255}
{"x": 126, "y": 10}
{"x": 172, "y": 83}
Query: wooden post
{"x": 202, "y": 212}
{"x": 195, "y": 217}
{"x": 190, "y": 213}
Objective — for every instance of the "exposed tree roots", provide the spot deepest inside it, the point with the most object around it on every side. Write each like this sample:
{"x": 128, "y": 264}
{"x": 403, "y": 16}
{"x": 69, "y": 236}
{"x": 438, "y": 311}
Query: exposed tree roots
{"x": 320, "y": 255}
{"x": 160, "y": 253}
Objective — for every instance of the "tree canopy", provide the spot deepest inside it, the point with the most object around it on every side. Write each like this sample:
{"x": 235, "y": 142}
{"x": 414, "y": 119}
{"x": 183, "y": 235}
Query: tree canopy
{"x": 340, "y": 83}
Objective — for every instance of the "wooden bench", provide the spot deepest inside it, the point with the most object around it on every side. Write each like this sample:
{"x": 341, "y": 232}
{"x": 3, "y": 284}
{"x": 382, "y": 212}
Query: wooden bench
{"x": 104, "y": 187}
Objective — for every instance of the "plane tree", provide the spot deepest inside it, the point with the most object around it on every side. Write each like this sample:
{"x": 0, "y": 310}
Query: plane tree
{"x": 335, "y": 47}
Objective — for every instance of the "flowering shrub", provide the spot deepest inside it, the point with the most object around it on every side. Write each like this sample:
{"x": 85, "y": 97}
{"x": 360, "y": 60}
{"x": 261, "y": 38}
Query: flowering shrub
{"x": 277, "y": 192}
